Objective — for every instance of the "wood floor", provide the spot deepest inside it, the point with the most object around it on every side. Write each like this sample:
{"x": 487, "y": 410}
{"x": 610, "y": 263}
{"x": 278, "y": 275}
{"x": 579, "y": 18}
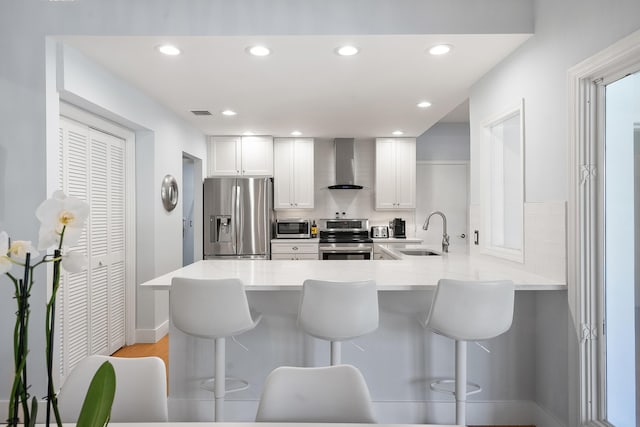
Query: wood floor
{"x": 161, "y": 349}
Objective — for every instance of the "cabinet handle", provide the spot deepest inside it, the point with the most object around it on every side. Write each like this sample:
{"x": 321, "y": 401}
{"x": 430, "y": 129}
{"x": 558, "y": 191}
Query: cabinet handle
{"x": 295, "y": 248}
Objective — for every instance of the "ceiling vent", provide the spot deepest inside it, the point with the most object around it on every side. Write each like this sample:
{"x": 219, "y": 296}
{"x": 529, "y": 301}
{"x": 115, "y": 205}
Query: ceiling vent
{"x": 201, "y": 112}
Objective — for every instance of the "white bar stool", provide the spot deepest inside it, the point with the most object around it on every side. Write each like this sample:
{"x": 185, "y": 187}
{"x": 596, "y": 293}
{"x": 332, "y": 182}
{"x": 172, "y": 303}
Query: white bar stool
{"x": 338, "y": 311}
{"x": 468, "y": 311}
{"x": 213, "y": 309}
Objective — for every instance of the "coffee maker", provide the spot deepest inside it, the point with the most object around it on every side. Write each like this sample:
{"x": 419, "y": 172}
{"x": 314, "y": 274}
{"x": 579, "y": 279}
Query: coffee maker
{"x": 398, "y": 226}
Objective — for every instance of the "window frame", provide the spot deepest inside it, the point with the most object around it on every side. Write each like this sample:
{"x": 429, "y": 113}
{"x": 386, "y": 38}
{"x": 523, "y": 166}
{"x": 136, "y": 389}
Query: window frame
{"x": 587, "y": 81}
{"x": 487, "y": 248}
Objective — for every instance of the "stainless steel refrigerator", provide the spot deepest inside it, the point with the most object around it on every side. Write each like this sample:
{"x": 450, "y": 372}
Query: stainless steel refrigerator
{"x": 238, "y": 213}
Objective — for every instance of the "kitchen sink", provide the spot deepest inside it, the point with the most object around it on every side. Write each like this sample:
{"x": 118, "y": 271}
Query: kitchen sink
{"x": 418, "y": 252}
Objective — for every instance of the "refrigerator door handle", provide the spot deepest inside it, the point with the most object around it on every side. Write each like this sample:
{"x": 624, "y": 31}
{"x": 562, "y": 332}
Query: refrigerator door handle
{"x": 235, "y": 204}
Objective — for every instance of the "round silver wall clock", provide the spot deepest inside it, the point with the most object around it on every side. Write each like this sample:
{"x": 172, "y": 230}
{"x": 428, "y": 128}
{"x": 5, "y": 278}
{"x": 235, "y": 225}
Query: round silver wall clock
{"x": 169, "y": 192}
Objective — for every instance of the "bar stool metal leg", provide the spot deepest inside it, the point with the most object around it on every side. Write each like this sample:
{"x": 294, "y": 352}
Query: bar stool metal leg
{"x": 336, "y": 353}
{"x": 461, "y": 382}
{"x": 220, "y": 379}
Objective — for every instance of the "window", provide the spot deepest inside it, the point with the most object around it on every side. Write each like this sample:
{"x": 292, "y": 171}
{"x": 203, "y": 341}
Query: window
{"x": 503, "y": 184}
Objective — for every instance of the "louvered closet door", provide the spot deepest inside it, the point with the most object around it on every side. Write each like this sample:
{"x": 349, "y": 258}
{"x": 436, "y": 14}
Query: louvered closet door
{"x": 73, "y": 310}
{"x": 92, "y": 303}
{"x": 106, "y": 238}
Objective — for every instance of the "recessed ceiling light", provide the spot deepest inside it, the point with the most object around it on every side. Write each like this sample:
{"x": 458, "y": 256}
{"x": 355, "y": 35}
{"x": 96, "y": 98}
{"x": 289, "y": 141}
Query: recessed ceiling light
{"x": 229, "y": 113}
{"x": 440, "y": 49}
{"x": 259, "y": 50}
{"x": 397, "y": 132}
{"x": 248, "y": 133}
{"x": 296, "y": 133}
{"x": 347, "y": 50}
{"x": 424, "y": 104}
{"x": 168, "y": 49}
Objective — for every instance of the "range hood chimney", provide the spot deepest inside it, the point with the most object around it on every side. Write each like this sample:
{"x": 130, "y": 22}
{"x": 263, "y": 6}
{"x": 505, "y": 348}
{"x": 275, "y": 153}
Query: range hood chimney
{"x": 345, "y": 168}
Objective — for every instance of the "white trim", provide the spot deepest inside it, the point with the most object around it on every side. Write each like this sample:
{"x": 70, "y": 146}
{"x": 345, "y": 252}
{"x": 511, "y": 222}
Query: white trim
{"x": 104, "y": 125}
{"x": 585, "y": 225}
{"x": 516, "y": 255}
{"x": 152, "y": 335}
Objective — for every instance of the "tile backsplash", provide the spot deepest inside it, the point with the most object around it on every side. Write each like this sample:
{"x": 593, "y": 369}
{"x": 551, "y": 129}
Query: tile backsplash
{"x": 354, "y": 203}
{"x": 545, "y": 237}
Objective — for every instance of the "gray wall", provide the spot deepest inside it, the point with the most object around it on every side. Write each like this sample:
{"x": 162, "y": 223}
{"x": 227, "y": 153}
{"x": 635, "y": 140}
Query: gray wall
{"x": 444, "y": 141}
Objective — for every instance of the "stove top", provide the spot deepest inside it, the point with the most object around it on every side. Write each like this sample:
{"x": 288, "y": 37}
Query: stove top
{"x": 344, "y": 230}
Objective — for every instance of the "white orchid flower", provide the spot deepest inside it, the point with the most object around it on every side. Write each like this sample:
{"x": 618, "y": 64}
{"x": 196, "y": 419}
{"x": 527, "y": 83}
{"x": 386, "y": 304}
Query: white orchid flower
{"x": 5, "y": 262}
{"x": 20, "y": 248}
{"x": 58, "y": 213}
{"x": 73, "y": 261}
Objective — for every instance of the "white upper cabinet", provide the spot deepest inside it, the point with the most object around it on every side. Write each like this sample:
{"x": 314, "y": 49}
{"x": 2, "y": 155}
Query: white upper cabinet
{"x": 240, "y": 155}
{"x": 293, "y": 173}
{"x": 395, "y": 173}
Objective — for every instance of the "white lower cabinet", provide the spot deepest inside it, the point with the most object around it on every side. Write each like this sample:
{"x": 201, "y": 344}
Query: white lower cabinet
{"x": 294, "y": 251}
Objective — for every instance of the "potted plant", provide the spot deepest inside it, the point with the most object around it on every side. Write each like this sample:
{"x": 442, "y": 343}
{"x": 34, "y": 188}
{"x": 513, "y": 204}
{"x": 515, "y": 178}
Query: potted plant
{"x": 62, "y": 220}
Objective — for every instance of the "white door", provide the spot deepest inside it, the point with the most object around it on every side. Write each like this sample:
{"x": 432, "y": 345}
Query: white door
{"x": 303, "y": 172}
{"x": 224, "y": 156}
{"x": 442, "y": 187}
{"x": 257, "y": 155}
{"x": 92, "y": 303}
{"x": 405, "y": 150}
{"x": 385, "y": 173}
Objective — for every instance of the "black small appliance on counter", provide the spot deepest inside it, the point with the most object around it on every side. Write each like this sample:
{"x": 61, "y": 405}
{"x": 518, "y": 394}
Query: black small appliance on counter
{"x": 398, "y": 225}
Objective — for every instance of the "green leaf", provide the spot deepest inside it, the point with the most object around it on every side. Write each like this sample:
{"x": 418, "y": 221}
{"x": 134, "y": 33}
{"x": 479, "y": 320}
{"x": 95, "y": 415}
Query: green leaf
{"x": 96, "y": 408}
{"x": 34, "y": 412}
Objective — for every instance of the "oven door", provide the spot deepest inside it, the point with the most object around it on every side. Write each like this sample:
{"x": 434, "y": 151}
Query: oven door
{"x": 355, "y": 251}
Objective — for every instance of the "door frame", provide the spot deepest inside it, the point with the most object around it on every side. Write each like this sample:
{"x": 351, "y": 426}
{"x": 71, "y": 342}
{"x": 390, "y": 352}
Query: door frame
{"x": 96, "y": 122}
{"x": 585, "y": 229}
{"x": 198, "y": 212}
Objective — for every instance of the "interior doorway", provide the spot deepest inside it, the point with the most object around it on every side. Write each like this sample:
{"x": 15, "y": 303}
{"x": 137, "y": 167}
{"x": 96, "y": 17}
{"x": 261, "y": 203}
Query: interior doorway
{"x": 192, "y": 227}
{"x": 187, "y": 211}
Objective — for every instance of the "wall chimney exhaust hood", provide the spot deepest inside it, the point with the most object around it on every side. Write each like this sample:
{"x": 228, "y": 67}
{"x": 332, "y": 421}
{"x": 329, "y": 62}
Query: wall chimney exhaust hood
{"x": 345, "y": 168}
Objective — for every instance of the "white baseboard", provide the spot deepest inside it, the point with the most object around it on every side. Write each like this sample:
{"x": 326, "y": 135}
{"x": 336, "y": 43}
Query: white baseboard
{"x": 518, "y": 412}
{"x": 545, "y": 419}
{"x": 152, "y": 335}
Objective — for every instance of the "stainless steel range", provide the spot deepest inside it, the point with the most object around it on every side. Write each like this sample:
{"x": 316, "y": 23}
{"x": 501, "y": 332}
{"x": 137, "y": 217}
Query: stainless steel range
{"x": 345, "y": 239}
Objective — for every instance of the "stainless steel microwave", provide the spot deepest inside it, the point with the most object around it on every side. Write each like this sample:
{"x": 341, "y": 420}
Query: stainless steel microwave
{"x": 293, "y": 228}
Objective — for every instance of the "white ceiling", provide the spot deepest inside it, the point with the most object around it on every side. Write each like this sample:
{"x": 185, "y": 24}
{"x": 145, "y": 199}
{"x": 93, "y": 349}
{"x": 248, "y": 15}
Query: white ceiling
{"x": 303, "y": 85}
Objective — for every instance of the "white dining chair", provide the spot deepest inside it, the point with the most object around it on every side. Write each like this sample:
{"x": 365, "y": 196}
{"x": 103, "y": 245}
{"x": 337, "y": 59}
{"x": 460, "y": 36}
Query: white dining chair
{"x": 338, "y": 311}
{"x": 330, "y": 394}
{"x": 468, "y": 311}
{"x": 141, "y": 389}
{"x": 213, "y": 309}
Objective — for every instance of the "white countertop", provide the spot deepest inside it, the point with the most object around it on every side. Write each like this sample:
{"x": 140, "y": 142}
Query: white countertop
{"x": 407, "y": 273}
{"x": 412, "y": 240}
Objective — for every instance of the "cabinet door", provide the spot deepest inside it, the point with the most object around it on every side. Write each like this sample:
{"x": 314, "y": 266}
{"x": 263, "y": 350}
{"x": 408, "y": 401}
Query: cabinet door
{"x": 224, "y": 156}
{"x": 385, "y": 174}
{"x": 257, "y": 155}
{"x": 303, "y": 187}
{"x": 405, "y": 151}
{"x": 282, "y": 173}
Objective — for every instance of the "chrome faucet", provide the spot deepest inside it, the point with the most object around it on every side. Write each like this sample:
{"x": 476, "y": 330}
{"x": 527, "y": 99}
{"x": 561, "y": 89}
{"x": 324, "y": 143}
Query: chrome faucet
{"x": 445, "y": 236}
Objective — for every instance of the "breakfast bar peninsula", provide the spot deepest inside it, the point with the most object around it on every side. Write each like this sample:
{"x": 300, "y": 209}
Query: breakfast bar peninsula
{"x": 399, "y": 359}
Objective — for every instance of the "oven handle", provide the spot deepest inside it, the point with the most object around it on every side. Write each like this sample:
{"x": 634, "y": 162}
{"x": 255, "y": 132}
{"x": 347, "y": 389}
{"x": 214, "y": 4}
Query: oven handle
{"x": 352, "y": 250}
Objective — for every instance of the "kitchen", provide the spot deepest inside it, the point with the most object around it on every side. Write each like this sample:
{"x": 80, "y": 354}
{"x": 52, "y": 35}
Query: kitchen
{"x": 359, "y": 202}
{"x": 537, "y": 72}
